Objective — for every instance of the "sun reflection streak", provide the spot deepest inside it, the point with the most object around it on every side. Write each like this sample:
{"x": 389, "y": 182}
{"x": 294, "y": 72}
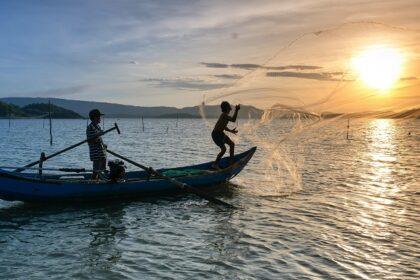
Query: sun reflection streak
{"x": 382, "y": 151}
{"x": 378, "y": 175}
{"x": 375, "y": 209}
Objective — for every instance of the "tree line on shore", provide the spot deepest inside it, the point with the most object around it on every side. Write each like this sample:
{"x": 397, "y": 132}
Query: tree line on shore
{"x": 36, "y": 110}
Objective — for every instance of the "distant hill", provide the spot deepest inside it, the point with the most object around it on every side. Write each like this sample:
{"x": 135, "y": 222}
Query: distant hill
{"x": 112, "y": 110}
{"x": 404, "y": 114}
{"x": 10, "y": 110}
{"x": 178, "y": 116}
{"x": 40, "y": 110}
{"x": 412, "y": 113}
{"x": 128, "y": 111}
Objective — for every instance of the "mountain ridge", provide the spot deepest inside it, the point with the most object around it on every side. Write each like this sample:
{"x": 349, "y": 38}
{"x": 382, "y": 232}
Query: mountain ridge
{"x": 115, "y": 110}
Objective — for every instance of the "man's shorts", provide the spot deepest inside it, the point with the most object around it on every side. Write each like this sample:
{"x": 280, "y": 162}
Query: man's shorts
{"x": 99, "y": 164}
{"x": 219, "y": 138}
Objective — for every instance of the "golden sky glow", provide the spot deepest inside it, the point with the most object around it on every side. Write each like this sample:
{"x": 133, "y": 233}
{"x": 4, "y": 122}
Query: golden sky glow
{"x": 379, "y": 67}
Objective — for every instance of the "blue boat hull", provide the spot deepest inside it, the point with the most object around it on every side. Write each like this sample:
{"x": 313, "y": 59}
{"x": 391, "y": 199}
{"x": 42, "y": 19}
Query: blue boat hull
{"x": 29, "y": 187}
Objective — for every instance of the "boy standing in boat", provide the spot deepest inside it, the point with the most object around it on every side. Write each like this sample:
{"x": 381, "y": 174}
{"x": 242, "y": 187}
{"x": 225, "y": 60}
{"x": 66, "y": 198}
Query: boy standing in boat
{"x": 218, "y": 134}
{"x": 97, "y": 149}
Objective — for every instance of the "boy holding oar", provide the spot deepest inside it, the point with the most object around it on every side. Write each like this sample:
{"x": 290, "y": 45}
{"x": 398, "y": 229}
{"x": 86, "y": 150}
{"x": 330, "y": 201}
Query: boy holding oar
{"x": 218, "y": 135}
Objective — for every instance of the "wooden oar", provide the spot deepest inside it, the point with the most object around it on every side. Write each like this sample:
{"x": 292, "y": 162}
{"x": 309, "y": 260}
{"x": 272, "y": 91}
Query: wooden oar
{"x": 180, "y": 185}
{"x": 69, "y": 148}
{"x": 77, "y": 170}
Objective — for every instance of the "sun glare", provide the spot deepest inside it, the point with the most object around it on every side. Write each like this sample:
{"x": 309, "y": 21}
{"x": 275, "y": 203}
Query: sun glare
{"x": 378, "y": 66}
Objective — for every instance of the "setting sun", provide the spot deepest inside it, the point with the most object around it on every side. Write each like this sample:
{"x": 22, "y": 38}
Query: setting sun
{"x": 378, "y": 66}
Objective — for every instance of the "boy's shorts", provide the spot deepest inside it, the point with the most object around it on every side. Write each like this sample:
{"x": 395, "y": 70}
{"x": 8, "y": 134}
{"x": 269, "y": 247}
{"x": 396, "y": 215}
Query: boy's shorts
{"x": 219, "y": 138}
{"x": 99, "y": 164}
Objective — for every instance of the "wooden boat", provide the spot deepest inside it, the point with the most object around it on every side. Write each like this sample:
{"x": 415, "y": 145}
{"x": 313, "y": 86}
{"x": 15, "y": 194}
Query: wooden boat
{"x": 31, "y": 187}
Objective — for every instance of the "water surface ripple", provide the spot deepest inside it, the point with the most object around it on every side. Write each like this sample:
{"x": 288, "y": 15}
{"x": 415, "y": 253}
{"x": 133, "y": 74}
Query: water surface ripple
{"x": 355, "y": 214}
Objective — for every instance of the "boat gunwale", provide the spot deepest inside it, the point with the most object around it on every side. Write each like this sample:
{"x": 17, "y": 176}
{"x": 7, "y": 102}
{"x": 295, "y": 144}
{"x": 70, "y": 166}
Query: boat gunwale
{"x": 243, "y": 159}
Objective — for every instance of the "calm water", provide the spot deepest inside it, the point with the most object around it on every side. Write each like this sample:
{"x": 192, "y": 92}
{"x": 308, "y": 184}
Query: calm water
{"x": 351, "y": 213}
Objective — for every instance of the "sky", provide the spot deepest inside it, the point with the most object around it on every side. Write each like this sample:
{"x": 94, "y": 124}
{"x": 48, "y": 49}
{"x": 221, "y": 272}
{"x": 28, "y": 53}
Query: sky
{"x": 179, "y": 53}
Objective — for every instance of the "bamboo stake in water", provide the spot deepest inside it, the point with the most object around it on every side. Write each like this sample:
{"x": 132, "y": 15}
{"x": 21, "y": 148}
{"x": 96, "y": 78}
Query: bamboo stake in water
{"x": 8, "y": 109}
{"x": 49, "y": 113}
{"x": 348, "y": 126}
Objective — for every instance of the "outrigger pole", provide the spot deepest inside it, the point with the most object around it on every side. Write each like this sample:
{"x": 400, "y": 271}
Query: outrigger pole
{"x": 180, "y": 185}
{"x": 42, "y": 159}
{"x": 77, "y": 170}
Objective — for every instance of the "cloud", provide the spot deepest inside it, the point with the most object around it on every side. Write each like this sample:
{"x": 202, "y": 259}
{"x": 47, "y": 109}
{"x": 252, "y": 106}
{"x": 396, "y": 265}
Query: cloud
{"x": 245, "y": 66}
{"x": 228, "y": 76}
{"x": 215, "y": 65}
{"x": 408, "y": 78}
{"x": 56, "y": 92}
{"x": 185, "y": 84}
{"x": 251, "y": 66}
{"x": 295, "y": 67}
{"x": 323, "y": 76}
{"x": 234, "y": 35}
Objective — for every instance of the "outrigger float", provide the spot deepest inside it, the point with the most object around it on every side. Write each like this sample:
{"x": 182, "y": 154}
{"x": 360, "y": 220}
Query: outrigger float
{"x": 38, "y": 187}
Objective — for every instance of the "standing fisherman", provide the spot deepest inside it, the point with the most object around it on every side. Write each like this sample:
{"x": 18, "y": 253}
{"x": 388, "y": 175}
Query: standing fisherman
{"x": 97, "y": 148}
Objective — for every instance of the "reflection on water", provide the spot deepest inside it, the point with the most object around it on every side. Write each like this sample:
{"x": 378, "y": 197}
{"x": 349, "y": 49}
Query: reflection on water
{"x": 379, "y": 212}
{"x": 382, "y": 150}
{"x": 355, "y": 216}
{"x": 105, "y": 232}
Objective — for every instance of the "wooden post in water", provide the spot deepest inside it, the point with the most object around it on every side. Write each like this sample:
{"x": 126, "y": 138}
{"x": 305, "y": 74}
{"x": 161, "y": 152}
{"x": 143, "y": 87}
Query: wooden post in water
{"x": 142, "y": 121}
{"x": 8, "y": 110}
{"x": 176, "y": 125}
{"x": 348, "y": 126}
{"x": 49, "y": 114}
